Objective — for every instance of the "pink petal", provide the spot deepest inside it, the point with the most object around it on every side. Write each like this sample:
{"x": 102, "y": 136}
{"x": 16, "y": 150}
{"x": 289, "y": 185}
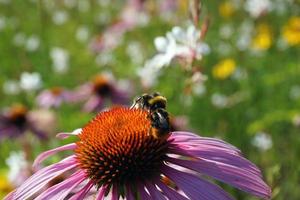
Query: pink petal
{"x": 66, "y": 135}
{"x": 195, "y": 187}
{"x": 101, "y": 193}
{"x": 46, "y": 154}
{"x": 191, "y": 139}
{"x": 169, "y": 192}
{"x": 115, "y": 195}
{"x": 61, "y": 190}
{"x": 129, "y": 195}
{"x": 82, "y": 193}
{"x": 143, "y": 194}
{"x": 212, "y": 149}
{"x": 217, "y": 156}
{"x": 42, "y": 177}
{"x": 10, "y": 196}
{"x": 241, "y": 178}
{"x": 154, "y": 192}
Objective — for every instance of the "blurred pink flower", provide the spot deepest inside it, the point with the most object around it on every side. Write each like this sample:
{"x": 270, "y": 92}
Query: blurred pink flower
{"x": 54, "y": 97}
{"x": 101, "y": 89}
{"x": 131, "y": 16}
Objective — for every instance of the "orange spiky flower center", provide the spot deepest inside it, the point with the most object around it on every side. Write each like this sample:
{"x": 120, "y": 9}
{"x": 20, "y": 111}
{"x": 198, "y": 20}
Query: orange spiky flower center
{"x": 116, "y": 148}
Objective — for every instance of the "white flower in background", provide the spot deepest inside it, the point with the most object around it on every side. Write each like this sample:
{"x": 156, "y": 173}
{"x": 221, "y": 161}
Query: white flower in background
{"x": 281, "y": 7}
{"x": 60, "y": 17}
{"x": 70, "y": 3}
{"x": 84, "y": 6}
{"x": 199, "y": 89}
{"x": 244, "y": 35}
{"x": 226, "y": 31}
{"x": 295, "y": 92}
{"x": 257, "y": 7}
{"x": 179, "y": 43}
{"x": 103, "y": 3}
{"x": 148, "y": 75}
{"x": 219, "y": 100}
{"x": 11, "y": 87}
{"x": 104, "y": 58}
{"x": 143, "y": 19}
{"x": 135, "y": 52}
{"x": 197, "y": 82}
{"x": 30, "y": 81}
{"x": 296, "y": 120}
{"x": 103, "y": 18}
{"x": 240, "y": 74}
{"x": 2, "y": 22}
{"x": 82, "y": 34}
{"x": 262, "y": 141}
{"x": 224, "y": 49}
{"x": 18, "y": 168}
{"x": 60, "y": 59}
{"x": 32, "y": 43}
{"x": 5, "y": 1}
{"x": 19, "y": 39}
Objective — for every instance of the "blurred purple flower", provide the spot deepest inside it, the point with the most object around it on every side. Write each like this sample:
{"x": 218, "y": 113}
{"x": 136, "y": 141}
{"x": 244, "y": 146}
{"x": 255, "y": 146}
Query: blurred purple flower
{"x": 101, "y": 89}
{"x": 17, "y": 120}
{"x": 116, "y": 155}
{"x": 54, "y": 97}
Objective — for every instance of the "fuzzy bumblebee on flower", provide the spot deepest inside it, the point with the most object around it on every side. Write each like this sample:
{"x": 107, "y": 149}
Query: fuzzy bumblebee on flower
{"x": 129, "y": 153}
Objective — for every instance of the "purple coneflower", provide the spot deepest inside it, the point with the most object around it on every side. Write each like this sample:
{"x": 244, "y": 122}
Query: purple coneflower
{"x": 101, "y": 89}
{"x": 54, "y": 97}
{"x": 17, "y": 120}
{"x": 117, "y": 156}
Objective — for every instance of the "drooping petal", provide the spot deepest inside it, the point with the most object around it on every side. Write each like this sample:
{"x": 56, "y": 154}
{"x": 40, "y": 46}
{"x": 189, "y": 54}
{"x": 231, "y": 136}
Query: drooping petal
{"x": 43, "y": 176}
{"x": 181, "y": 137}
{"x": 211, "y": 149}
{"x": 66, "y": 135}
{"x": 83, "y": 192}
{"x": 62, "y": 189}
{"x": 169, "y": 192}
{"x": 241, "y": 178}
{"x": 195, "y": 187}
{"x": 51, "y": 152}
{"x": 155, "y": 193}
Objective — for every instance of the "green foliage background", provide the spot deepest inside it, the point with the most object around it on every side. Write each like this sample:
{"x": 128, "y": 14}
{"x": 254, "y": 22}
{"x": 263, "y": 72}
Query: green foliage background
{"x": 268, "y": 106}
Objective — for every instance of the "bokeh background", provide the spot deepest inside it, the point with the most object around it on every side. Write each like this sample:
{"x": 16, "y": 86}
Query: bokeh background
{"x": 243, "y": 86}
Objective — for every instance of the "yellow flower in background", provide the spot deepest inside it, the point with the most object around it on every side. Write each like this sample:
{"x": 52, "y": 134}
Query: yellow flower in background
{"x": 291, "y": 31}
{"x": 263, "y": 37}
{"x": 226, "y": 9}
{"x": 5, "y": 186}
{"x": 224, "y": 69}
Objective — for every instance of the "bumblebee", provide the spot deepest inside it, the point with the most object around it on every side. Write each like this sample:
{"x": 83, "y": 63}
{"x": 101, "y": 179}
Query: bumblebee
{"x": 150, "y": 102}
{"x": 155, "y": 104}
{"x": 160, "y": 123}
